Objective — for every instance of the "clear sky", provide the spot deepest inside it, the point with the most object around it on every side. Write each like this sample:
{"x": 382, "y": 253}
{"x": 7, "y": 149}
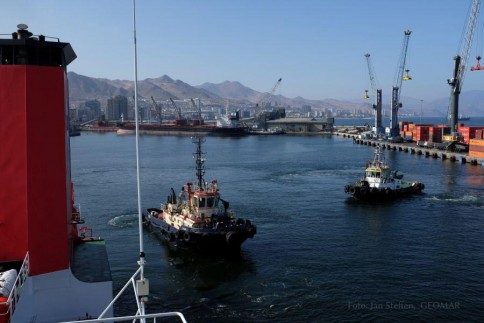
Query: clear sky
{"x": 316, "y": 46}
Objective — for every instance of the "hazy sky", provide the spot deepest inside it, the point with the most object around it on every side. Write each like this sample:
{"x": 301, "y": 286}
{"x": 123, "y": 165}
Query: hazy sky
{"x": 316, "y": 46}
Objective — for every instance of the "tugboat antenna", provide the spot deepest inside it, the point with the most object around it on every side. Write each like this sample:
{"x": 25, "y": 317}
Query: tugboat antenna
{"x": 200, "y": 161}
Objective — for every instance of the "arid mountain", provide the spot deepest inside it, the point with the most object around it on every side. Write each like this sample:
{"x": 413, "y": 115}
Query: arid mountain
{"x": 83, "y": 88}
{"x": 163, "y": 88}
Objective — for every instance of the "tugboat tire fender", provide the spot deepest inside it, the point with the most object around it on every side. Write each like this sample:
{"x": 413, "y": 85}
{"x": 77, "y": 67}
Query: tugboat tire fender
{"x": 388, "y": 191}
{"x": 352, "y": 190}
{"x": 374, "y": 190}
{"x": 172, "y": 236}
{"x": 186, "y": 236}
{"x": 179, "y": 234}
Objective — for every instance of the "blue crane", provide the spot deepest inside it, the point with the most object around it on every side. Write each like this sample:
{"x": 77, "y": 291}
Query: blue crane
{"x": 377, "y": 106}
{"x": 460, "y": 67}
{"x": 397, "y": 86}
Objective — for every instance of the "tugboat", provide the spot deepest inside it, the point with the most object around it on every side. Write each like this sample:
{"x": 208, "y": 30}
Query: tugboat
{"x": 381, "y": 183}
{"x": 199, "y": 218}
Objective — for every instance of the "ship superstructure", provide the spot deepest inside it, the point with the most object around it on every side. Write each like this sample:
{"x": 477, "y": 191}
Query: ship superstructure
{"x": 38, "y": 223}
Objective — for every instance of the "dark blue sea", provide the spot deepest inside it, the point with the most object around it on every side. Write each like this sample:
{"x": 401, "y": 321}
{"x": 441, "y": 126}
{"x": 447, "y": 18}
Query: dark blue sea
{"x": 318, "y": 256}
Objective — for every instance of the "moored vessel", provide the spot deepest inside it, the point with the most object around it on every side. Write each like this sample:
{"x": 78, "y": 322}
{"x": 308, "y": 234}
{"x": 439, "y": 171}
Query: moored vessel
{"x": 380, "y": 183}
{"x": 199, "y": 217}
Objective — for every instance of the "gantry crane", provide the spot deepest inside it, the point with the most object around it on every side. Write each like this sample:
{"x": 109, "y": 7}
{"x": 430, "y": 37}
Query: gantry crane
{"x": 259, "y": 115}
{"x": 459, "y": 69}
{"x": 397, "y": 86}
{"x": 377, "y": 106}
{"x": 158, "y": 109}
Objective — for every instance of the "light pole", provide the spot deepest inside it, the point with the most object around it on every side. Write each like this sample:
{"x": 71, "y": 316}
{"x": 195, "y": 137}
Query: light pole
{"x": 421, "y": 111}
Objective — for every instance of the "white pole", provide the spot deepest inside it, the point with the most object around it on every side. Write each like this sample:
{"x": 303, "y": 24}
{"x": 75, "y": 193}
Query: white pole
{"x": 141, "y": 261}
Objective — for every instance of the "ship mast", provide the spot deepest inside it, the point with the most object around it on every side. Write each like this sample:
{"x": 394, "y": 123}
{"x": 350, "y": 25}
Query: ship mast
{"x": 141, "y": 284}
{"x": 199, "y": 161}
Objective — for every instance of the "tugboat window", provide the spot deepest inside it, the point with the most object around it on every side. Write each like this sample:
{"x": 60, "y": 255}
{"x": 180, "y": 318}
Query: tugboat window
{"x": 210, "y": 201}
{"x": 202, "y": 202}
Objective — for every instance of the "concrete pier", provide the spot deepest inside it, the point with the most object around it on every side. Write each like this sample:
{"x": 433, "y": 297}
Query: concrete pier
{"x": 412, "y": 148}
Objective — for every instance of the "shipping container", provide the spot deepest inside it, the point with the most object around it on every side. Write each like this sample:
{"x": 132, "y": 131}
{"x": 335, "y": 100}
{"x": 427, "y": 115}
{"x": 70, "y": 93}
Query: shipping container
{"x": 476, "y": 154}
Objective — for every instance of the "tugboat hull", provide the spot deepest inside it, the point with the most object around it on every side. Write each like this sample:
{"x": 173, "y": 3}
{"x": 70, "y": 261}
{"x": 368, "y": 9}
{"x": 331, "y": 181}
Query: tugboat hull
{"x": 365, "y": 193}
{"x": 381, "y": 183}
{"x": 222, "y": 235}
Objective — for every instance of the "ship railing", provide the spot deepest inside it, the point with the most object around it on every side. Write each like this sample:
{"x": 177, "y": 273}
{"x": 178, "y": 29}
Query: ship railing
{"x": 14, "y": 294}
{"x": 138, "y": 317}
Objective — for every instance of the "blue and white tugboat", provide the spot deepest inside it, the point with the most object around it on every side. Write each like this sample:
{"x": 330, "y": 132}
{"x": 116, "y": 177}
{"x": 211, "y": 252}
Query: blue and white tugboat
{"x": 380, "y": 183}
{"x": 199, "y": 217}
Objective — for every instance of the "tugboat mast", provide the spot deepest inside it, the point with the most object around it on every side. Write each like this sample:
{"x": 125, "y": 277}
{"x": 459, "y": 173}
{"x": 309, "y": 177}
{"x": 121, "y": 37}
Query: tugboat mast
{"x": 199, "y": 161}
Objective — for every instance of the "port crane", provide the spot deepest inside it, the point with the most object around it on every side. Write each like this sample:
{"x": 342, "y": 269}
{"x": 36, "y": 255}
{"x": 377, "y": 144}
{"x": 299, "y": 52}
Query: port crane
{"x": 259, "y": 115}
{"x": 177, "y": 109}
{"x": 459, "y": 71}
{"x": 397, "y": 86}
{"x": 198, "y": 109}
{"x": 158, "y": 109}
{"x": 377, "y": 106}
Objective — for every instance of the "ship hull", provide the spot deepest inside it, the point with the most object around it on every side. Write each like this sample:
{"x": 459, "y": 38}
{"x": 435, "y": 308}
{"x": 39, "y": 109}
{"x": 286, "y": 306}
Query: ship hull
{"x": 365, "y": 193}
{"x": 175, "y": 130}
{"x": 227, "y": 236}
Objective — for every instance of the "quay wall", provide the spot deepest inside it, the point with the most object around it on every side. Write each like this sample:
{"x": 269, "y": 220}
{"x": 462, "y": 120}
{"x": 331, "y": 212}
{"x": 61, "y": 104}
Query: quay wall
{"x": 412, "y": 148}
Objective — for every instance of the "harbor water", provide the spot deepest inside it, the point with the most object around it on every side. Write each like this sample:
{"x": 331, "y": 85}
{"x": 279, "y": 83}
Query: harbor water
{"x": 318, "y": 256}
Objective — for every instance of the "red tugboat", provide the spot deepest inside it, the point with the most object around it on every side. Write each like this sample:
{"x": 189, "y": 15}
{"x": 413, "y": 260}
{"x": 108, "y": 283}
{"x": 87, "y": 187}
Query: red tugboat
{"x": 199, "y": 218}
{"x": 41, "y": 247}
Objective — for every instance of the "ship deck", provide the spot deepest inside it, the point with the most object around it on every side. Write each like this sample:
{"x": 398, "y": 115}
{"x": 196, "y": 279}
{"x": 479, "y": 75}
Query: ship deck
{"x": 90, "y": 262}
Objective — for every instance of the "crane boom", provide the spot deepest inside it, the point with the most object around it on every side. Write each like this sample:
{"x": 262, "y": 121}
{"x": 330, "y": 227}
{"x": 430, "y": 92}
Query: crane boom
{"x": 158, "y": 109}
{"x": 259, "y": 114}
{"x": 377, "y": 106}
{"x": 199, "y": 110}
{"x": 460, "y": 66}
{"x": 371, "y": 72}
{"x": 266, "y": 99}
{"x": 177, "y": 109}
{"x": 397, "y": 86}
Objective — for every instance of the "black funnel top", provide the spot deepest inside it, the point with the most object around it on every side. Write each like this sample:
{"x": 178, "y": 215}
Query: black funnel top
{"x": 25, "y": 49}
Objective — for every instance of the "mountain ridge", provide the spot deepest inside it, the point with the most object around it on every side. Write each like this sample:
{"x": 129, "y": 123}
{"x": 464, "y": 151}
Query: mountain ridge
{"x": 84, "y": 88}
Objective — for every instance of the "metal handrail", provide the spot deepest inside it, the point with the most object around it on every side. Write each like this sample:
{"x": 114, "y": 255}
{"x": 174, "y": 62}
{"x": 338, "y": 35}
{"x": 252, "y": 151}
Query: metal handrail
{"x": 14, "y": 294}
{"x": 133, "y": 318}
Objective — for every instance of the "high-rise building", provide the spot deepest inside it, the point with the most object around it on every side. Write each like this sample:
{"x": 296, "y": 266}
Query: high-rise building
{"x": 117, "y": 107}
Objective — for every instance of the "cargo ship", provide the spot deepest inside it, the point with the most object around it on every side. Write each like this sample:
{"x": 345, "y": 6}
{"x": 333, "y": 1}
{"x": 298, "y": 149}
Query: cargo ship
{"x": 42, "y": 247}
{"x": 225, "y": 126}
{"x": 52, "y": 268}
